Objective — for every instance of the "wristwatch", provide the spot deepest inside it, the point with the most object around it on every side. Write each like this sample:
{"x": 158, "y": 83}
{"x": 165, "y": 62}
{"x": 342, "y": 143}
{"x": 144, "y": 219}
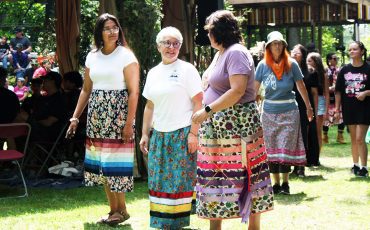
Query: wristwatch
{"x": 208, "y": 109}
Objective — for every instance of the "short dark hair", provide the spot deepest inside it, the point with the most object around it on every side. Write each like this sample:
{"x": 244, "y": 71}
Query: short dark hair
{"x": 74, "y": 77}
{"x": 329, "y": 57}
{"x": 224, "y": 28}
{"x": 99, "y": 25}
{"x": 36, "y": 81}
{"x": 54, "y": 76}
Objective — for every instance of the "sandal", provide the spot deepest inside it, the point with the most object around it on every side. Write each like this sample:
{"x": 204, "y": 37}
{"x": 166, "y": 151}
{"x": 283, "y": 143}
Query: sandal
{"x": 117, "y": 218}
{"x": 103, "y": 220}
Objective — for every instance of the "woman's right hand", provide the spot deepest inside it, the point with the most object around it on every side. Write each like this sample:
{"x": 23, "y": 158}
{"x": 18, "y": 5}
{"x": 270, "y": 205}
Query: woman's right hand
{"x": 144, "y": 144}
{"x": 71, "y": 130}
{"x": 336, "y": 116}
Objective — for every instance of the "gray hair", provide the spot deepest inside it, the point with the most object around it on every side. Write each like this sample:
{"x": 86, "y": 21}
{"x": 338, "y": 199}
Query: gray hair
{"x": 169, "y": 31}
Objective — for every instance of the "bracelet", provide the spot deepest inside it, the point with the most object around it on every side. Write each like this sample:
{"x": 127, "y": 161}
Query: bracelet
{"x": 74, "y": 119}
{"x": 193, "y": 134}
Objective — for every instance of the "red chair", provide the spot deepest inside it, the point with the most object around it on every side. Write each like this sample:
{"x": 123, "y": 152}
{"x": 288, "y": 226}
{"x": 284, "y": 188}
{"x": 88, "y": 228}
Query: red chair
{"x": 14, "y": 130}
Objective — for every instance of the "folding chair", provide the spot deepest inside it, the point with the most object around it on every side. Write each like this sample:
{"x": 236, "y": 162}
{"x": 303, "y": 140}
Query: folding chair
{"x": 14, "y": 130}
{"x": 48, "y": 148}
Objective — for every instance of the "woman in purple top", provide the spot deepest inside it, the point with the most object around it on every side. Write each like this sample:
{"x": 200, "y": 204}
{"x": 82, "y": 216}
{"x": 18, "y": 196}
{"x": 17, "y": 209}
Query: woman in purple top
{"x": 233, "y": 177}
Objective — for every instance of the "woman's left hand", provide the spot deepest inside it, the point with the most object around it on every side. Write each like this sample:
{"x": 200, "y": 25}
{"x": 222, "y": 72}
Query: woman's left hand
{"x": 309, "y": 114}
{"x": 199, "y": 116}
{"x": 361, "y": 96}
{"x": 192, "y": 143}
{"x": 128, "y": 133}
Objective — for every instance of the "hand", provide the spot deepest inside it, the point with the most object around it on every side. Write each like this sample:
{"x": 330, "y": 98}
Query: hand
{"x": 128, "y": 133}
{"x": 361, "y": 96}
{"x": 310, "y": 115}
{"x": 192, "y": 143}
{"x": 71, "y": 130}
{"x": 144, "y": 144}
{"x": 336, "y": 116}
{"x": 199, "y": 116}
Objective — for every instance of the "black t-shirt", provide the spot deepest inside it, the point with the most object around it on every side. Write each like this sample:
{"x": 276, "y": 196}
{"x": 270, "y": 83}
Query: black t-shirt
{"x": 350, "y": 82}
{"x": 4, "y": 48}
{"x": 9, "y": 105}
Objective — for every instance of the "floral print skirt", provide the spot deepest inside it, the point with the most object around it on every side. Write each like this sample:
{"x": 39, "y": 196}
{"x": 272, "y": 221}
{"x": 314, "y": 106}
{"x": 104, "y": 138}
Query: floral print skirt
{"x": 108, "y": 160}
{"x": 283, "y": 138}
{"x": 233, "y": 177}
{"x": 171, "y": 180}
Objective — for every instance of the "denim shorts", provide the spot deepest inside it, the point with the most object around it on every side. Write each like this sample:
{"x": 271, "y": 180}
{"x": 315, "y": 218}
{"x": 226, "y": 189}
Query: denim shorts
{"x": 321, "y": 106}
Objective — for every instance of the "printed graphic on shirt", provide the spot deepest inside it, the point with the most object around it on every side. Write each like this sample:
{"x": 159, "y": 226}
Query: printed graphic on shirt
{"x": 355, "y": 83}
{"x": 270, "y": 81}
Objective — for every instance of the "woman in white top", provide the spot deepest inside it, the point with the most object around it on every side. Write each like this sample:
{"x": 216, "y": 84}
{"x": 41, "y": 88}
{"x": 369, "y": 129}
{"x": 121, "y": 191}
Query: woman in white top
{"x": 111, "y": 89}
{"x": 173, "y": 92}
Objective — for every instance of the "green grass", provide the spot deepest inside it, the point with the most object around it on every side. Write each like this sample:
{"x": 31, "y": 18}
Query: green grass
{"x": 328, "y": 198}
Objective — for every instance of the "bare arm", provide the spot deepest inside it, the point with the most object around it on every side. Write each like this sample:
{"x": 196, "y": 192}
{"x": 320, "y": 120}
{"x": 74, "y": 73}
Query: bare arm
{"x": 326, "y": 94}
{"x": 192, "y": 138}
{"x": 132, "y": 78}
{"x": 303, "y": 91}
{"x": 238, "y": 84}
{"x": 81, "y": 103}
{"x": 315, "y": 96}
{"x": 147, "y": 125}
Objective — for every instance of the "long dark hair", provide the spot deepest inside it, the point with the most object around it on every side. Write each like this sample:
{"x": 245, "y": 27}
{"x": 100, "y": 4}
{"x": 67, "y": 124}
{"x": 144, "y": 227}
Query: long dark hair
{"x": 99, "y": 25}
{"x": 303, "y": 64}
{"x": 319, "y": 67}
{"x": 223, "y": 26}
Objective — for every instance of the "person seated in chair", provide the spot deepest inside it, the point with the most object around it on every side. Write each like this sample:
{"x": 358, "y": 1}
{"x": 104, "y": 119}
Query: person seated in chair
{"x": 32, "y": 103}
{"x": 9, "y": 105}
{"x": 20, "y": 61}
{"x": 72, "y": 83}
{"x": 48, "y": 118}
{"x": 19, "y": 39}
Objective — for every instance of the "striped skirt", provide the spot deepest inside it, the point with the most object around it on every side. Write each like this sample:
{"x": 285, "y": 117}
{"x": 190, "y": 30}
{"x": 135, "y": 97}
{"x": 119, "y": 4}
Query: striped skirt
{"x": 233, "y": 178}
{"x": 283, "y": 138}
{"x": 108, "y": 160}
{"x": 171, "y": 179}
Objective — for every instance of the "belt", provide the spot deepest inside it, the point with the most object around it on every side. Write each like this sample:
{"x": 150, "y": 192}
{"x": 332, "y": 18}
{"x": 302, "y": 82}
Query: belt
{"x": 280, "y": 101}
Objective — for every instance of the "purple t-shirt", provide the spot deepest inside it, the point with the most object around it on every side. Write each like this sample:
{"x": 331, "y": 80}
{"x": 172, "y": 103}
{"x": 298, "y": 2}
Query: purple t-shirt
{"x": 235, "y": 60}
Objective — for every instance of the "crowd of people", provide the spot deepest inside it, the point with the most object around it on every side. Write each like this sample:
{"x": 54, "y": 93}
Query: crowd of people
{"x": 210, "y": 146}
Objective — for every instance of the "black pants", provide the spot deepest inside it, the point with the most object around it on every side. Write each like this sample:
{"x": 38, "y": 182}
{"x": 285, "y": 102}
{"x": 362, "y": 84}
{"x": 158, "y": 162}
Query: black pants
{"x": 279, "y": 168}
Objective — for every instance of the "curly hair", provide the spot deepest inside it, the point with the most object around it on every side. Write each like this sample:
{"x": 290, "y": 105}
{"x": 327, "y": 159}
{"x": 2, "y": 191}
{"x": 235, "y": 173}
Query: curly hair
{"x": 98, "y": 31}
{"x": 223, "y": 26}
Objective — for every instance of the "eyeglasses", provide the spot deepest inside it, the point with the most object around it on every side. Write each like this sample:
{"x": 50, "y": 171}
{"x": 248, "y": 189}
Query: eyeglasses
{"x": 111, "y": 30}
{"x": 334, "y": 58}
{"x": 168, "y": 44}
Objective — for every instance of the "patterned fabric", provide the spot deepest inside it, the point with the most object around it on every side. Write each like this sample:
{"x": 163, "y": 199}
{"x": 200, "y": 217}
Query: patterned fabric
{"x": 231, "y": 184}
{"x": 171, "y": 180}
{"x": 330, "y": 119}
{"x": 108, "y": 159}
{"x": 283, "y": 138}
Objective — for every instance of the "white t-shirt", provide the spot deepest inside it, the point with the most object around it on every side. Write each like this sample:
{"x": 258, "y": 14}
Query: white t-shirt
{"x": 106, "y": 71}
{"x": 171, "y": 88}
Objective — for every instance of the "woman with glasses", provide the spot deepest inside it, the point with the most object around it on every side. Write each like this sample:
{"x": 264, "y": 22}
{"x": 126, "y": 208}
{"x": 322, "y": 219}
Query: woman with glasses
{"x": 332, "y": 73}
{"x": 111, "y": 90}
{"x": 233, "y": 179}
{"x": 173, "y": 92}
{"x": 352, "y": 94}
{"x": 280, "y": 116}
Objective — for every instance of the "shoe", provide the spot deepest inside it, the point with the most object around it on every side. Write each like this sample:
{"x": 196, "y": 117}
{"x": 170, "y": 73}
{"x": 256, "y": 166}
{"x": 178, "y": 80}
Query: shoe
{"x": 117, "y": 218}
{"x": 340, "y": 138}
{"x": 276, "y": 189}
{"x": 104, "y": 219}
{"x": 325, "y": 139}
{"x": 300, "y": 173}
{"x": 363, "y": 172}
{"x": 355, "y": 169}
{"x": 285, "y": 188}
